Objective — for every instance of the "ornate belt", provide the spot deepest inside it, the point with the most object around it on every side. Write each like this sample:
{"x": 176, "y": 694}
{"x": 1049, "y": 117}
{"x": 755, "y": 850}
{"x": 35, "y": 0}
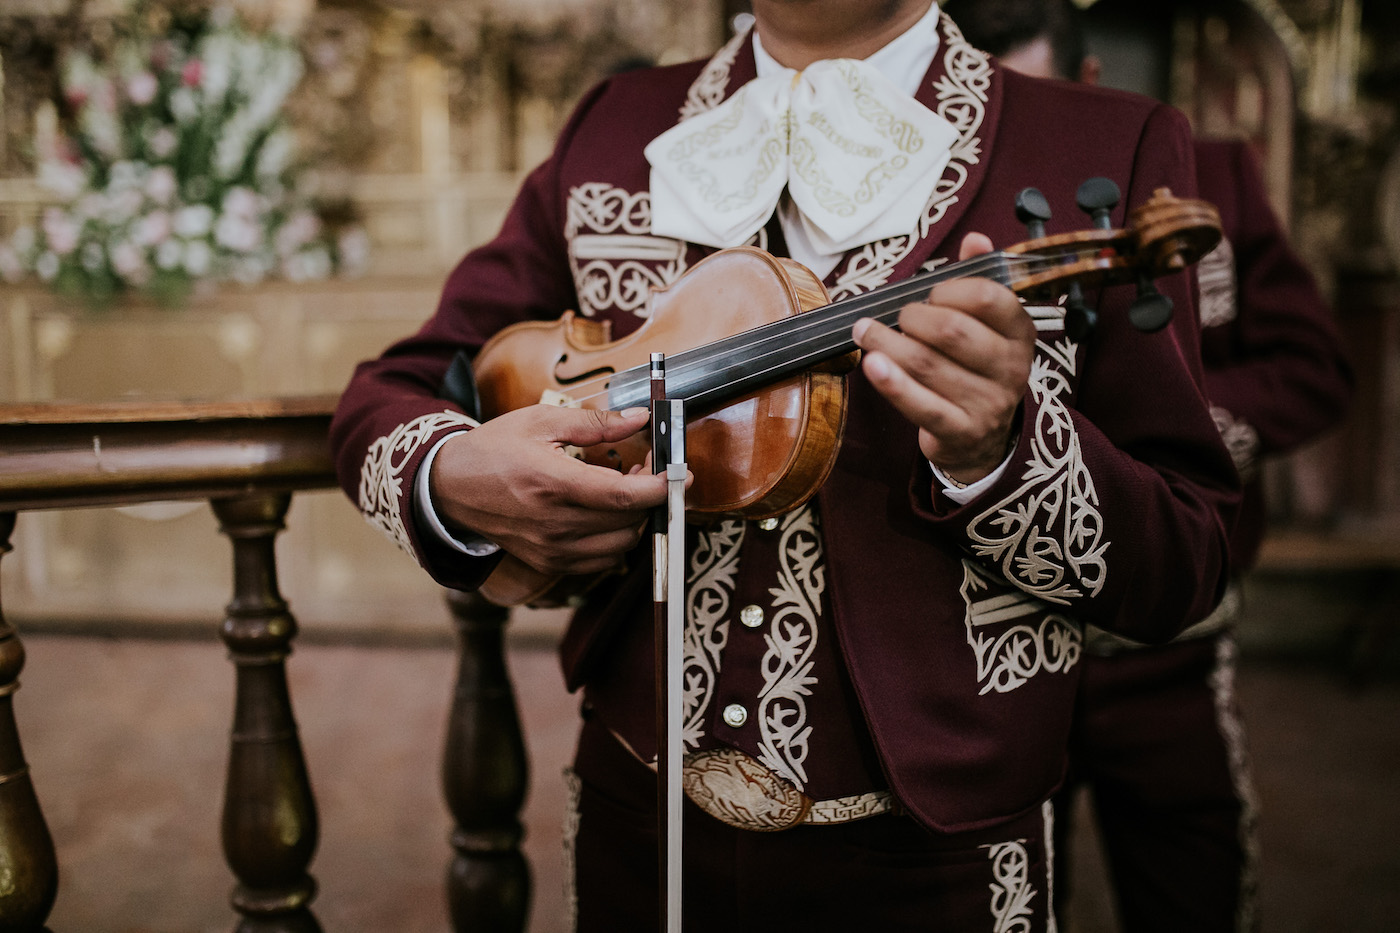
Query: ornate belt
{"x": 737, "y": 790}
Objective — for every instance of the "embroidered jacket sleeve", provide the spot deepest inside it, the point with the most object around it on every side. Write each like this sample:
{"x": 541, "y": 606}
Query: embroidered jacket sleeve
{"x": 390, "y": 416}
{"x": 1273, "y": 360}
{"x": 1117, "y": 501}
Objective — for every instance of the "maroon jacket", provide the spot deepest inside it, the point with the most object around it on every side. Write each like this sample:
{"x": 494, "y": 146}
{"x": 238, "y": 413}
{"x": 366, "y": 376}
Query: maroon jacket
{"x": 956, "y": 629}
{"x": 1275, "y": 371}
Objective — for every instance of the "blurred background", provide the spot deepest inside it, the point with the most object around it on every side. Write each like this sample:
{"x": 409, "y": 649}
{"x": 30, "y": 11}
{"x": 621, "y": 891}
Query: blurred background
{"x": 358, "y": 148}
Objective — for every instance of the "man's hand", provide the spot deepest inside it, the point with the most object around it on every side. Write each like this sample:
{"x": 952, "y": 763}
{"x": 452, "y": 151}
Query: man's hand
{"x": 510, "y": 481}
{"x": 957, "y": 367}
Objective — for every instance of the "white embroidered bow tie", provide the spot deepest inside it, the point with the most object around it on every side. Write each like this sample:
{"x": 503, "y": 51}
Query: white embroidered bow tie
{"x": 859, "y": 158}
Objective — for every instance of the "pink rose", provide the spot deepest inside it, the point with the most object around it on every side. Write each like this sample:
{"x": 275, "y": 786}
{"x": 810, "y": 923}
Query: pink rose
{"x": 192, "y": 73}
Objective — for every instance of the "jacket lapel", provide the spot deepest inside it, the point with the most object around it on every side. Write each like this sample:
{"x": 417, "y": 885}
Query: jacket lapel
{"x": 962, "y": 87}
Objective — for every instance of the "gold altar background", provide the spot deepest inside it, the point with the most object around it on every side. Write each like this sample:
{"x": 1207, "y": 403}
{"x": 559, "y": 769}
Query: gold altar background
{"x": 425, "y": 113}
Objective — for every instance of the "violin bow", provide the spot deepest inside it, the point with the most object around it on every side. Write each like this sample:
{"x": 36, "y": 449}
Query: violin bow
{"x": 668, "y": 598}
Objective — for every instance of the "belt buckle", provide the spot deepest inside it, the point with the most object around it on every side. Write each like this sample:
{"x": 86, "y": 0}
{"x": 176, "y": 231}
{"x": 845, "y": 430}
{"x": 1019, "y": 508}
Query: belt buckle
{"x": 737, "y": 790}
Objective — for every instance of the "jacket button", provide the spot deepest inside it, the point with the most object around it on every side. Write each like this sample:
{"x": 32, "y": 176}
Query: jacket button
{"x": 751, "y": 616}
{"x": 768, "y": 524}
{"x": 735, "y": 715}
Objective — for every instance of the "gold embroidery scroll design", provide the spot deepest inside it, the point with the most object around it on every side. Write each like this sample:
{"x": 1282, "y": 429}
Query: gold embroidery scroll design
{"x": 1012, "y": 891}
{"x": 714, "y": 564}
{"x": 791, "y": 641}
{"x": 1013, "y": 635}
{"x": 615, "y": 261}
{"x": 1047, "y": 536}
{"x": 381, "y": 480}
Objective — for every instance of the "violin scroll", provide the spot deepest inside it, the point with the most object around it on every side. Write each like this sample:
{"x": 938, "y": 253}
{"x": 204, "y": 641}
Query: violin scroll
{"x": 1164, "y": 234}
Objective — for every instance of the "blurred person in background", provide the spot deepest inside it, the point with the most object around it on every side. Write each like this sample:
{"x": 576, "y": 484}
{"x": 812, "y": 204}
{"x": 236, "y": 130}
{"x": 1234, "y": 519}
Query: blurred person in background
{"x": 1158, "y": 740}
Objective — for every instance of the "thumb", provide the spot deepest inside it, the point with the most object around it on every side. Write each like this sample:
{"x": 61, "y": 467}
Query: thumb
{"x": 974, "y": 244}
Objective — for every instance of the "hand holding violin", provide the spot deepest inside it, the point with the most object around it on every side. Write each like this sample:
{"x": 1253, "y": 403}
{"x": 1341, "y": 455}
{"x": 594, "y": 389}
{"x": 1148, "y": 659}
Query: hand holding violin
{"x": 957, "y": 367}
{"x": 511, "y": 481}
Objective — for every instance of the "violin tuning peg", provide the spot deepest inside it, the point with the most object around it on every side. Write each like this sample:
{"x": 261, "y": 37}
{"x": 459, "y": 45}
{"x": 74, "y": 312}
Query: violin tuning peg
{"x": 1079, "y": 320}
{"x": 1151, "y": 310}
{"x": 1032, "y": 210}
{"x": 1096, "y": 197}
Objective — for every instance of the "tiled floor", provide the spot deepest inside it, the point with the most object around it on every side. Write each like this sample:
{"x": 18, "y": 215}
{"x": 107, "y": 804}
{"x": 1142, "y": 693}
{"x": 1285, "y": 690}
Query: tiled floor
{"x": 127, "y": 743}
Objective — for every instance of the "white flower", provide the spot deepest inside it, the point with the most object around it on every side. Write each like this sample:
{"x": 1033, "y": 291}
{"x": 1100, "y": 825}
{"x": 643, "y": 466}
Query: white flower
{"x": 125, "y": 174}
{"x": 130, "y": 263}
{"x": 141, "y": 88}
{"x": 199, "y": 258}
{"x": 184, "y": 105}
{"x": 47, "y": 266}
{"x": 353, "y": 246}
{"x": 195, "y": 220}
{"x": 154, "y": 228}
{"x": 123, "y": 207}
{"x": 307, "y": 265}
{"x": 237, "y": 233}
{"x": 242, "y": 202}
{"x": 162, "y": 141}
{"x": 216, "y": 52}
{"x": 161, "y": 184}
{"x": 170, "y": 254}
{"x": 93, "y": 256}
{"x": 134, "y": 110}
{"x": 301, "y": 228}
{"x": 275, "y": 154}
{"x": 63, "y": 179}
{"x": 100, "y": 120}
{"x": 60, "y": 231}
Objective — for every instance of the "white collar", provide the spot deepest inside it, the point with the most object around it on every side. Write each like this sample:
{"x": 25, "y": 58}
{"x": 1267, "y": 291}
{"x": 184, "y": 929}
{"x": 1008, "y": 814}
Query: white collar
{"x": 867, "y": 154}
{"x": 904, "y": 60}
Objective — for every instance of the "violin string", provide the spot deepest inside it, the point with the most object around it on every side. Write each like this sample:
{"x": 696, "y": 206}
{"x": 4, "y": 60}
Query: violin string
{"x": 790, "y": 330}
{"x": 1005, "y": 268}
{"x": 792, "y": 334}
{"x": 826, "y": 328}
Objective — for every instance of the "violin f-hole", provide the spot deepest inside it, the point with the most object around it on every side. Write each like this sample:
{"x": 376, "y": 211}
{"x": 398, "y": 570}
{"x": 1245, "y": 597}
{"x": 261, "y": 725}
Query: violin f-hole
{"x": 564, "y": 380}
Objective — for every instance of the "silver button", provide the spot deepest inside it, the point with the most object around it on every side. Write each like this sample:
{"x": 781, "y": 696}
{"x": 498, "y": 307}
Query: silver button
{"x": 735, "y": 715}
{"x": 768, "y": 524}
{"x": 751, "y": 616}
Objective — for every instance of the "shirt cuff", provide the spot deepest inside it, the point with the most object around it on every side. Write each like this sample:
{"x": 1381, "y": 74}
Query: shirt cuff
{"x": 963, "y": 493}
{"x": 473, "y": 545}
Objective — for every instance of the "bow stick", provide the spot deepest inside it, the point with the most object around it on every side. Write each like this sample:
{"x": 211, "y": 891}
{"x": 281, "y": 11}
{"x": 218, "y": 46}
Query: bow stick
{"x": 668, "y": 597}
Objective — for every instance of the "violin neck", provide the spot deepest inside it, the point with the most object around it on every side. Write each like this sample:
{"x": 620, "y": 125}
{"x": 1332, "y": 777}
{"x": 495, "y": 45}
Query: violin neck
{"x": 718, "y": 372}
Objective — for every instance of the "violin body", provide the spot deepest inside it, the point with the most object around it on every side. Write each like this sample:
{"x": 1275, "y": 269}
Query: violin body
{"x": 760, "y": 454}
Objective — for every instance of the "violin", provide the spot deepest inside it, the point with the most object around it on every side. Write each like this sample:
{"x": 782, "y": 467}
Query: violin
{"x": 760, "y": 355}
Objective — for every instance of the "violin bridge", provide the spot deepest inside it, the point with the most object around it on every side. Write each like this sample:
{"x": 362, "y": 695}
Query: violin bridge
{"x": 562, "y": 400}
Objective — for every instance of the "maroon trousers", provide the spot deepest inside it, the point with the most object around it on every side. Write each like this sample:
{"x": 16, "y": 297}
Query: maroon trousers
{"x": 1159, "y": 746}
{"x": 885, "y": 873}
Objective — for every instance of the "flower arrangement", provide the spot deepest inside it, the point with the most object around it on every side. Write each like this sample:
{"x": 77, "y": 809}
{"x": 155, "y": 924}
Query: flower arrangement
{"x": 175, "y": 166}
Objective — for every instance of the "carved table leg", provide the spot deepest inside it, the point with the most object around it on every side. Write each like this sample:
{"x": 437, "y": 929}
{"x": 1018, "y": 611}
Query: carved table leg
{"x": 269, "y": 822}
{"x": 28, "y": 866}
{"x": 485, "y": 775}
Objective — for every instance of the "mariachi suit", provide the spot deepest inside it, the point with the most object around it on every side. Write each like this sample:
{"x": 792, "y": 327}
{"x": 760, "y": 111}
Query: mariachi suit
{"x": 909, "y": 654}
{"x": 1157, "y": 736}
